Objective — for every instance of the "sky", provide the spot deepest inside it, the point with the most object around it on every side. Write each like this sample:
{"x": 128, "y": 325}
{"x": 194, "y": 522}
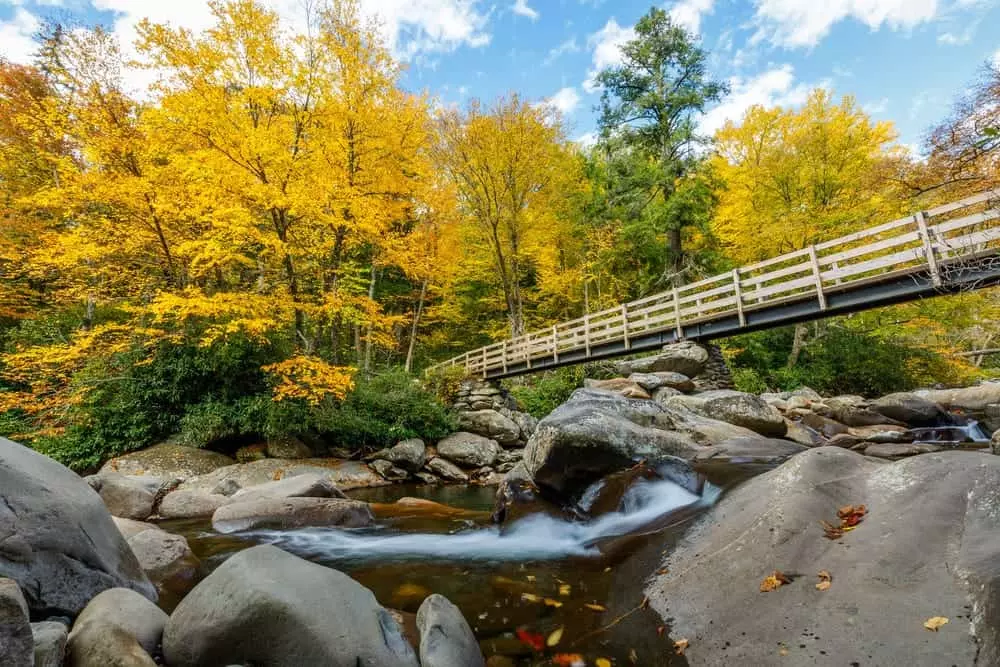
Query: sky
{"x": 904, "y": 60}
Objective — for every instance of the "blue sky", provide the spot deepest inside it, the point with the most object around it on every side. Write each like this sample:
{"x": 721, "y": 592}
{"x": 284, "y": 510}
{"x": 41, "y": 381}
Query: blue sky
{"x": 904, "y": 60}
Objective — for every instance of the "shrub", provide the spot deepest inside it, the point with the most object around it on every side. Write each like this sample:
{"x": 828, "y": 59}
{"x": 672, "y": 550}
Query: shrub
{"x": 545, "y": 392}
{"x": 444, "y": 383}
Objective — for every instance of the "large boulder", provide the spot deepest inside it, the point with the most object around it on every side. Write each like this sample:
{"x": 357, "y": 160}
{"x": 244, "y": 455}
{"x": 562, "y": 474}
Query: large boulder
{"x": 264, "y": 606}
{"x": 166, "y": 558}
{"x": 446, "y": 470}
{"x": 929, "y": 546}
{"x": 687, "y": 358}
{"x": 492, "y": 425}
{"x": 191, "y": 504}
{"x": 748, "y": 411}
{"x": 287, "y": 513}
{"x": 853, "y": 411}
{"x": 527, "y": 423}
{"x": 446, "y": 640}
{"x": 750, "y": 450}
{"x": 345, "y": 475}
{"x": 167, "y": 461}
{"x": 410, "y": 455}
{"x": 127, "y": 496}
{"x": 388, "y": 471}
{"x": 973, "y": 399}
{"x": 59, "y": 542}
{"x": 118, "y": 628}
{"x": 288, "y": 447}
{"x": 306, "y": 485}
{"x": 595, "y": 433}
{"x": 16, "y": 643}
{"x": 909, "y": 408}
{"x": 469, "y": 449}
{"x": 995, "y": 443}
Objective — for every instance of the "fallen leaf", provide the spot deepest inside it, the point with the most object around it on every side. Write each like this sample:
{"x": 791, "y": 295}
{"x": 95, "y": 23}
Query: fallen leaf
{"x": 602, "y": 662}
{"x": 660, "y": 630}
{"x": 823, "y": 586}
{"x": 680, "y": 646}
{"x": 564, "y": 589}
{"x": 531, "y": 597}
{"x": 568, "y": 660}
{"x": 595, "y": 607}
{"x": 935, "y": 622}
{"x": 555, "y": 637}
{"x": 783, "y": 651}
{"x": 663, "y": 570}
{"x": 824, "y": 580}
{"x": 633, "y": 656}
{"x": 549, "y": 602}
{"x": 831, "y": 532}
{"x": 773, "y": 582}
{"x": 530, "y": 577}
{"x": 532, "y": 639}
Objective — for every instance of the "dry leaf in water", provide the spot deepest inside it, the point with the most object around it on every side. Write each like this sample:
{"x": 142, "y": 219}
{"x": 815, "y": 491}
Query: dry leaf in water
{"x": 568, "y": 660}
{"x": 549, "y": 602}
{"x": 564, "y": 589}
{"x": 602, "y": 662}
{"x": 773, "y": 582}
{"x": 532, "y": 639}
{"x": 595, "y": 607}
{"x": 555, "y": 637}
{"x": 680, "y": 646}
{"x": 531, "y": 597}
{"x": 935, "y": 622}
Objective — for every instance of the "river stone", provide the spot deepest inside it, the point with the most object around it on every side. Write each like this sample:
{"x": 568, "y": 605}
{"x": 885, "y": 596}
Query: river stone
{"x": 129, "y": 497}
{"x": 995, "y": 443}
{"x": 446, "y": 470}
{"x": 702, "y": 430}
{"x": 853, "y": 411}
{"x": 345, "y": 475}
{"x": 687, "y": 358}
{"x": 800, "y": 433}
{"x": 306, "y": 485}
{"x": 469, "y": 449}
{"x": 612, "y": 384}
{"x": 446, "y": 640}
{"x": 909, "y": 408}
{"x": 264, "y": 606}
{"x": 287, "y": 513}
{"x": 191, "y": 504}
{"x": 426, "y": 477}
{"x": 525, "y": 422}
{"x": 748, "y": 411}
{"x": 492, "y": 425}
{"x": 823, "y": 425}
{"x": 595, "y": 433}
{"x": 16, "y": 644}
{"x": 750, "y": 450}
{"x": 388, "y": 471}
{"x": 49, "y": 643}
{"x": 288, "y": 447}
{"x": 166, "y": 559}
{"x": 889, "y": 450}
{"x": 118, "y": 628}
{"x": 408, "y": 454}
{"x": 972, "y": 399}
{"x": 930, "y": 546}
{"x": 60, "y": 544}
{"x": 167, "y": 461}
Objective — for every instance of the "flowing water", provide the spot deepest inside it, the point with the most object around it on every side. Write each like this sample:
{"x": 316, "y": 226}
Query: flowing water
{"x": 516, "y": 584}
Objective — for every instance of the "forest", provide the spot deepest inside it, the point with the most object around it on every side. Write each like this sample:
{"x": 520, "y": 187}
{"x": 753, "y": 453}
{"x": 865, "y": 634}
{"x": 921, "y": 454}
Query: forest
{"x": 277, "y": 238}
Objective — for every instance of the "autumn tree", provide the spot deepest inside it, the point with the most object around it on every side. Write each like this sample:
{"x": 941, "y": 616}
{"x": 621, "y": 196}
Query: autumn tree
{"x": 650, "y": 107}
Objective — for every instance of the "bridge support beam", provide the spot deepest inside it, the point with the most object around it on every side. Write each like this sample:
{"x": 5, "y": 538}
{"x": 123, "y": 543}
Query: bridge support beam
{"x": 929, "y": 255}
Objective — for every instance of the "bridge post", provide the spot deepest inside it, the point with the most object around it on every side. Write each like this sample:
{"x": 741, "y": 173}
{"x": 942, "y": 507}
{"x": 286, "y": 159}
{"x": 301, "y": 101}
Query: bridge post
{"x": 628, "y": 345}
{"x": 484, "y": 363}
{"x": 503, "y": 358}
{"x": 586, "y": 333}
{"x": 555, "y": 344}
{"x": 739, "y": 297}
{"x": 677, "y": 314}
{"x": 819, "y": 277}
{"x": 929, "y": 254}
{"x": 468, "y": 366}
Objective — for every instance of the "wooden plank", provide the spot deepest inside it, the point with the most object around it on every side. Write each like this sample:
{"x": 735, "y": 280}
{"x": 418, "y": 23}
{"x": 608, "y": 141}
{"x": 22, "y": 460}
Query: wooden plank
{"x": 885, "y": 244}
{"x": 912, "y": 256}
{"x": 929, "y": 254}
{"x": 780, "y": 273}
{"x": 818, "y": 275}
{"x": 505, "y": 356}
{"x": 739, "y": 297}
{"x": 863, "y": 234}
{"x": 628, "y": 344}
{"x": 943, "y": 228}
{"x": 787, "y": 257}
{"x": 677, "y": 316}
{"x": 964, "y": 203}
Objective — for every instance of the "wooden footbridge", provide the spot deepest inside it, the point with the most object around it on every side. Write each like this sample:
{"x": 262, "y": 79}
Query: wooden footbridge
{"x": 948, "y": 249}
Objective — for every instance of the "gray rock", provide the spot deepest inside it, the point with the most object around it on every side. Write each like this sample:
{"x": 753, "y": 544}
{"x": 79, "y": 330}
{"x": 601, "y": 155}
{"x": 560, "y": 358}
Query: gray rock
{"x": 595, "y": 433}
{"x": 446, "y": 640}
{"x": 50, "y": 643}
{"x": 227, "y": 487}
{"x": 664, "y": 394}
{"x": 823, "y": 425}
{"x": 267, "y": 607}
{"x": 909, "y": 408}
{"x": 510, "y": 456}
{"x": 702, "y": 430}
{"x": 129, "y": 497}
{"x": 166, "y": 559}
{"x": 928, "y": 547}
{"x": 130, "y": 528}
{"x": 885, "y": 433}
{"x": 446, "y": 470}
{"x": 16, "y": 644}
{"x": 426, "y": 477}
{"x": 748, "y": 411}
{"x": 995, "y": 443}
{"x": 890, "y": 450}
{"x": 853, "y": 411}
{"x": 61, "y": 545}
{"x": 800, "y": 433}
{"x": 306, "y": 485}
{"x": 525, "y": 422}
{"x": 288, "y": 447}
{"x": 167, "y": 461}
{"x": 469, "y": 449}
{"x": 973, "y": 399}
{"x": 118, "y": 628}
{"x": 750, "y": 450}
{"x": 345, "y": 475}
{"x": 492, "y": 425}
{"x": 191, "y": 504}
{"x": 653, "y": 381}
{"x": 286, "y": 513}
{"x": 388, "y": 471}
{"x": 408, "y": 454}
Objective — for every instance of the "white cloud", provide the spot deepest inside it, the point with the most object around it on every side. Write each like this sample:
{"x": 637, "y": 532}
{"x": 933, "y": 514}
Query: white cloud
{"x": 565, "y": 101}
{"x": 803, "y": 23}
{"x": 996, "y": 59}
{"x": 877, "y": 107}
{"x": 569, "y": 46}
{"x": 16, "y": 43}
{"x": 586, "y": 140}
{"x": 688, "y": 13}
{"x": 521, "y": 8}
{"x": 607, "y": 46}
{"x": 774, "y": 87}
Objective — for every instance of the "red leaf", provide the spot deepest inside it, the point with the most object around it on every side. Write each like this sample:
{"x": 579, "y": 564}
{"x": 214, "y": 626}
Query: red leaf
{"x": 533, "y": 639}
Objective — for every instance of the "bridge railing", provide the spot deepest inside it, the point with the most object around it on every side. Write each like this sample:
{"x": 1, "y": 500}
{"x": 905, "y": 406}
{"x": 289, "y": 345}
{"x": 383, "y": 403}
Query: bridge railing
{"x": 927, "y": 242}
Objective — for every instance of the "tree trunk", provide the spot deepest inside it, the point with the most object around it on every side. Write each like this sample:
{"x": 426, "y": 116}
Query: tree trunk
{"x": 798, "y": 343}
{"x": 676, "y": 257}
{"x": 368, "y": 328}
{"x": 416, "y": 323}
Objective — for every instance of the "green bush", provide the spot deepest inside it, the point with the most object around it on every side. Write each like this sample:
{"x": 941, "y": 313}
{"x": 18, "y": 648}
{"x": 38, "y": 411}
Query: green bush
{"x": 444, "y": 383}
{"x": 545, "y": 392}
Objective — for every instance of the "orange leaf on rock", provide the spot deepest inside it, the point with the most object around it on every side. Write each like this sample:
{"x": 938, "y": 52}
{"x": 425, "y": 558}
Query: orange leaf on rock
{"x": 680, "y": 646}
{"x": 824, "y": 580}
{"x": 935, "y": 622}
{"x": 773, "y": 582}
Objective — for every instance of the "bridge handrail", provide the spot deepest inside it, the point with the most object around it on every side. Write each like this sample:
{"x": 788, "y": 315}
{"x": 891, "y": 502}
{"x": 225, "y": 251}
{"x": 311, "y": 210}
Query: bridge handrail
{"x": 906, "y": 245}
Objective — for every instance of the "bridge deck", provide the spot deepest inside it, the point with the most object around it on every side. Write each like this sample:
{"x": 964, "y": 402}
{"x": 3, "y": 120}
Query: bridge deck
{"x": 951, "y": 248}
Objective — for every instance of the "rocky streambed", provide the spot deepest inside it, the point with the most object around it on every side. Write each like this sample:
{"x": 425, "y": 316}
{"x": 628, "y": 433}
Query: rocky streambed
{"x": 639, "y": 523}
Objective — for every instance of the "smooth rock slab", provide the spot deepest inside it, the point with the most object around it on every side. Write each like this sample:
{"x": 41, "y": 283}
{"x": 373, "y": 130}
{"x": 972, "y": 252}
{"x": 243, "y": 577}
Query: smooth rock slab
{"x": 446, "y": 640}
{"x": 119, "y": 628}
{"x": 191, "y": 504}
{"x": 889, "y": 450}
{"x": 287, "y": 513}
{"x": 167, "y": 461}
{"x": 59, "y": 542}
{"x": 129, "y": 497}
{"x": 446, "y": 470}
{"x": 306, "y": 485}
{"x": 264, "y": 606}
{"x": 16, "y": 644}
{"x": 345, "y": 475}
{"x": 929, "y": 546}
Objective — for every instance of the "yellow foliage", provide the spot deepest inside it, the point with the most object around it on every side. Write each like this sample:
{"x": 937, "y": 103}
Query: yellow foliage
{"x": 310, "y": 379}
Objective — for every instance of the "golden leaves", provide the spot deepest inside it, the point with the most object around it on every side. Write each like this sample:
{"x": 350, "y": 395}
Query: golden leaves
{"x": 554, "y": 637}
{"x": 935, "y": 622}
{"x": 680, "y": 646}
{"x": 824, "y": 580}
{"x": 310, "y": 379}
{"x": 773, "y": 582}
{"x": 850, "y": 517}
